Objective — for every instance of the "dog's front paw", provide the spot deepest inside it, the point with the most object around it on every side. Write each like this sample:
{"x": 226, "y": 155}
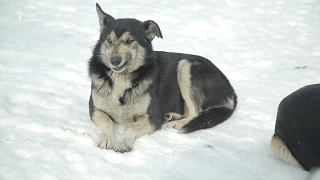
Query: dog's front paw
{"x": 106, "y": 142}
{"x": 175, "y": 124}
{"x": 123, "y": 146}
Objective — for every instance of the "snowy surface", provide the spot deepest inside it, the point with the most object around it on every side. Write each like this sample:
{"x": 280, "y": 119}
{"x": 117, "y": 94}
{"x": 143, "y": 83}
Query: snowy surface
{"x": 267, "y": 49}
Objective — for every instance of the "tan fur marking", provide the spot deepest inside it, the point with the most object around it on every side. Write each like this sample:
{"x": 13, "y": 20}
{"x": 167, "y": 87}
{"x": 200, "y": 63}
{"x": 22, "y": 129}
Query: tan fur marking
{"x": 229, "y": 103}
{"x": 282, "y": 151}
{"x": 105, "y": 126}
{"x": 133, "y": 131}
{"x": 184, "y": 81}
{"x": 133, "y": 54}
{"x": 125, "y": 36}
{"x": 136, "y": 104}
{"x": 108, "y": 101}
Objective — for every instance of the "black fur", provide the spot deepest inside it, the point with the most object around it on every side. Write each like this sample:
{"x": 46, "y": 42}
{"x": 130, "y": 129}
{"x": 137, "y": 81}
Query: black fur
{"x": 208, "y": 80}
{"x": 208, "y": 118}
{"x": 298, "y": 125}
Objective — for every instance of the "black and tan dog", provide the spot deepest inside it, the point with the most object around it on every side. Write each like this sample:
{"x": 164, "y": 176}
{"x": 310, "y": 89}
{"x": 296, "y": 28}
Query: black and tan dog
{"x": 297, "y": 133}
{"x": 140, "y": 89}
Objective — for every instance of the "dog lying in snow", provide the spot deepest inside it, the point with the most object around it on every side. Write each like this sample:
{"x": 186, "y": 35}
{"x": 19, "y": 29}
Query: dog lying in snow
{"x": 140, "y": 88}
{"x": 297, "y": 133}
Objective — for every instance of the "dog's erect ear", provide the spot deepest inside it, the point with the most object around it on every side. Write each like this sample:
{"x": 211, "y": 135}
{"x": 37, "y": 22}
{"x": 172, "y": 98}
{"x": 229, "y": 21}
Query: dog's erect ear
{"x": 104, "y": 18}
{"x": 151, "y": 29}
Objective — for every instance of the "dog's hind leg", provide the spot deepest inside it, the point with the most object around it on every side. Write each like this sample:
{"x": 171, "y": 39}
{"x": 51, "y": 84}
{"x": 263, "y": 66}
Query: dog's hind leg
{"x": 184, "y": 81}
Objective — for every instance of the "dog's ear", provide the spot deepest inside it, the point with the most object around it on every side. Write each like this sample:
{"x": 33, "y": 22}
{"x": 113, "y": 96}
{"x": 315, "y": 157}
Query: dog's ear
{"x": 151, "y": 29}
{"x": 104, "y": 18}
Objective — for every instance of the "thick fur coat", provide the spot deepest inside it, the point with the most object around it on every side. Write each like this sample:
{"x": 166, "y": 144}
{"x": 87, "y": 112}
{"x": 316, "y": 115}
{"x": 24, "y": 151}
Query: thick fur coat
{"x": 141, "y": 89}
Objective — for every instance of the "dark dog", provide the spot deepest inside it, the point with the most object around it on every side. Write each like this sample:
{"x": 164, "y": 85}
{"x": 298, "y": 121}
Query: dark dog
{"x": 297, "y": 133}
{"x": 140, "y": 88}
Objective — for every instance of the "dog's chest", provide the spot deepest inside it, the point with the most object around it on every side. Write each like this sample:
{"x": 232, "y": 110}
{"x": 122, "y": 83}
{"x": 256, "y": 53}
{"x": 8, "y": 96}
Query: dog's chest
{"x": 121, "y": 101}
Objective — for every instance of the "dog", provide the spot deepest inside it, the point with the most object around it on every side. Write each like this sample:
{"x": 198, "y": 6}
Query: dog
{"x": 297, "y": 132}
{"x": 142, "y": 89}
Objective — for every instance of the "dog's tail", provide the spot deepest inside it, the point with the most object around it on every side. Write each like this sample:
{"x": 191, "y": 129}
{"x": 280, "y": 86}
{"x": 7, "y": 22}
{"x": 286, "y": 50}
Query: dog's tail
{"x": 209, "y": 118}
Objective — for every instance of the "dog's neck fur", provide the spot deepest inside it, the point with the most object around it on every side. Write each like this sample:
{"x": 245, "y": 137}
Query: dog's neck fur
{"x": 107, "y": 80}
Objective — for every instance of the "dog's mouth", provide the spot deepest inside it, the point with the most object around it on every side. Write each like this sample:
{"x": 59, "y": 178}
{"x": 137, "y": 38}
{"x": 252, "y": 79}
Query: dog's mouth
{"x": 119, "y": 68}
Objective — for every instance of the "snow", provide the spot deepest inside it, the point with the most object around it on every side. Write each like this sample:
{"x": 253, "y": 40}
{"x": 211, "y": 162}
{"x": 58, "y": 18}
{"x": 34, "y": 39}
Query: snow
{"x": 267, "y": 49}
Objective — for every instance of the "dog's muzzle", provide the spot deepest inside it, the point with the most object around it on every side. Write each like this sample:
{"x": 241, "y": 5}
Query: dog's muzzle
{"x": 116, "y": 60}
{"x": 116, "y": 63}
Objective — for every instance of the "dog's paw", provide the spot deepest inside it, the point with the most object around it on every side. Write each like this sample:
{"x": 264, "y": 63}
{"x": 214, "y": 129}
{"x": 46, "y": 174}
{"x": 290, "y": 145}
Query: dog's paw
{"x": 105, "y": 142}
{"x": 167, "y": 118}
{"x": 123, "y": 146}
{"x": 175, "y": 124}
{"x": 172, "y": 116}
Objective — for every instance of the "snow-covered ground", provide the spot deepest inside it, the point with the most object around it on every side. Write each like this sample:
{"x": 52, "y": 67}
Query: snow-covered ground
{"x": 267, "y": 49}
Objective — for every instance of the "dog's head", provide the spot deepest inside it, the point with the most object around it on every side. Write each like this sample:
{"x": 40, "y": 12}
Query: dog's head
{"x": 125, "y": 42}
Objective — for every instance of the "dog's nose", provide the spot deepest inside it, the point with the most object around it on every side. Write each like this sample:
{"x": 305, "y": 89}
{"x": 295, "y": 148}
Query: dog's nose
{"x": 116, "y": 60}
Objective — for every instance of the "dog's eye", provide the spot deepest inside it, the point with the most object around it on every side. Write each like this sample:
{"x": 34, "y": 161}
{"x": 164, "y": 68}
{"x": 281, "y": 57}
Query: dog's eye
{"x": 129, "y": 41}
{"x": 109, "y": 40}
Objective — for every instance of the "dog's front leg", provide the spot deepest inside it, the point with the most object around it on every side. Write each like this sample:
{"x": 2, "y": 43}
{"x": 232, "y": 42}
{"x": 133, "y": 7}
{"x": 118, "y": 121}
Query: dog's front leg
{"x": 132, "y": 131}
{"x": 105, "y": 127}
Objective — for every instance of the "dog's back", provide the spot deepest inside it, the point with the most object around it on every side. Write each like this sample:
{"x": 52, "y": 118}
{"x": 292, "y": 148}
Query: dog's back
{"x": 169, "y": 88}
{"x": 297, "y": 132}
{"x": 194, "y": 84}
